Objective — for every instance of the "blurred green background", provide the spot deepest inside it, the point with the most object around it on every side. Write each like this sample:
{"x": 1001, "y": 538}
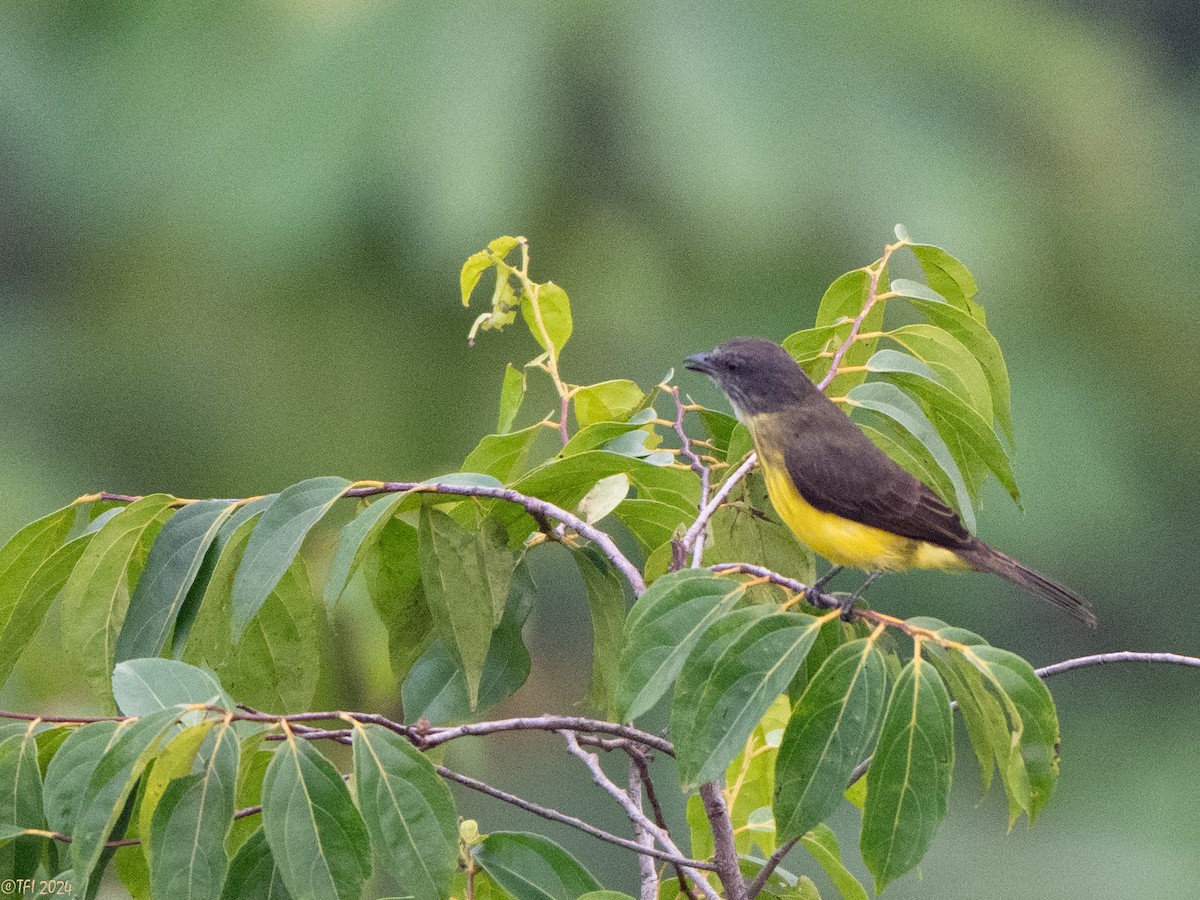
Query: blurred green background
{"x": 230, "y": 236}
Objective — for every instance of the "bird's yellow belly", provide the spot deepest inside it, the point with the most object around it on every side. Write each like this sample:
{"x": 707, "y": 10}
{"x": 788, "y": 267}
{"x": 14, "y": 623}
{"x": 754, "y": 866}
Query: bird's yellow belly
{"x": 847, "y": 543}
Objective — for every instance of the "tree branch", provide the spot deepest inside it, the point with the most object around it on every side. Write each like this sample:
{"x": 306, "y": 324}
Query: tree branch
{"x": 435, "y": 736}
{"x": 644, "y": 838}
{"x": 693, "y": 538}
{"x": 592, "y": 761}
{"x": 872, "y": 296}
{"x": 659, "y": 818}
{"x": 533, "y": 505}
{"x": 1117, "y": 656}
{"x": 1081, "y": 662}
{"x": 724, "y": 846}
{"x": 553, "y": 815}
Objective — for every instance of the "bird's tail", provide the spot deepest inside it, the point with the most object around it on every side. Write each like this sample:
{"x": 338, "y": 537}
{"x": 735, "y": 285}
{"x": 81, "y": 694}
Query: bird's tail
{"x": 983, "y": 558}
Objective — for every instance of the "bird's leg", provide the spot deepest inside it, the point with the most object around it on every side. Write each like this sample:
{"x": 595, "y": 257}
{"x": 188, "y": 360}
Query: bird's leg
{"x": 813, "y": 595}
{"x": 848, "y": 603}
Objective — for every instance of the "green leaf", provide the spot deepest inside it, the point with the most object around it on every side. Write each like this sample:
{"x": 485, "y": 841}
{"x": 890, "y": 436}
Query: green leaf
{"x": 142, "y": 686}
{"x": 954, "y": 364}
{"x": 472, "y": 271}
{"x": 512, "y": 394}
{"x": 745, "y": 680}
{"x": 810, "y": 344}
{"x": 740, "y": 445}
{"x": 503, "y": 245}
{"x": 467, "y": 577}
{"x": 908, "y": 783}
{"x": 97, "y": 592}
{"x": 393, "y": 577}
{"x": 653, "y": 522}
{"x": 531, "y": 867}
{"x": 960, "y": 426}
{"x": 503, "y": 456}
{"x": 172, "y": 566}
{"x": 133, "y": 745}
{"x": 945, "y": 274}
{"x": 735, "y": 534}
{"x": 34, "y": 601}
{"x": 252, "y": 766}
{"x": 605, "y": 895}
{"x": 1033, "y": 725}
{"x": 69, "y": 770}
{"x": 175, "y": 761}
{"x": 910, "y": 455}
{"x": 833, "y": 634}
{"x": 253, "y": 874}
{"x": 974, "y": 335}
{"x": 719, "y": 429}
{"x": 192, "y": 604}
{"x": 21, "y": 802}
{"x": 485, "y": 888}
{"x": 890, "y": 361}
{"x": 20, "y": 559}
{"x": 436, "y": 688}
{"x": 606, "y": 603}
{"x": 564, "y": 481}
{"x": 603, "y": 498}
{"x": 271, "y": 666}
{"x": 608, "y": 401}
{"x": 699, "y": 828}
{"x": 549, "y": 316}
{"x": 599, "y": 435}
{"x": 698, "y": 667}
{"x": 316, "y": 834}
{"x": 823, "y": 845}
{"x": 191, "y": 821}
{"x": 276, "y": 540}
{"x": 751, "y": 779}
{"x": 275, "y": 664}
{"x": 356, "y": 538}
{"x": 408, "y": 811}
{"x": 888, "y": 400}
{"x": 845, "y": 300}
{"x": 661, "y": 629}
{"x": 9, "y": 832}
{"x": 831, "y": 730}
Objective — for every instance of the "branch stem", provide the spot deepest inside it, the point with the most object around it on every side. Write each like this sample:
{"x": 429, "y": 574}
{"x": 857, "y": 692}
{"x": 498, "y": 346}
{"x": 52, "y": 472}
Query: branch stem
{"x": 592, "y": 761}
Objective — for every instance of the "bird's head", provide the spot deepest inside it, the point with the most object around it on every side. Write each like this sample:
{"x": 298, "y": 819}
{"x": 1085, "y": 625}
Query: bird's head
{"x": 756, "y": 375}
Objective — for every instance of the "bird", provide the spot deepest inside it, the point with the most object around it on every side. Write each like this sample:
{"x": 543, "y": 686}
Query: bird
{"x": 842, "y": 496}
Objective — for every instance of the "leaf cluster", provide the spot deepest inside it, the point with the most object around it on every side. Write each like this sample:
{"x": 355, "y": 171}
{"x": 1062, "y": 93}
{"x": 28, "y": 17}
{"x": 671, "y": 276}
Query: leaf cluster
{"x": 178, "y": 611}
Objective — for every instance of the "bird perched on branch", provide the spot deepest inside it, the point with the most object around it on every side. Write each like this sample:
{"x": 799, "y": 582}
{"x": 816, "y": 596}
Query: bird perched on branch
{"x": 841, "y": 495}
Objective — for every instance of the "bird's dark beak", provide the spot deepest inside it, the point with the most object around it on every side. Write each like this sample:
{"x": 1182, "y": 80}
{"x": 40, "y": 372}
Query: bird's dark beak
{"x": 699, "y": 362}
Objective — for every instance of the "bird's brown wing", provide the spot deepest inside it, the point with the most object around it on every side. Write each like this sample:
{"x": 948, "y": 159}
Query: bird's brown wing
{"x": 850, "y": 477}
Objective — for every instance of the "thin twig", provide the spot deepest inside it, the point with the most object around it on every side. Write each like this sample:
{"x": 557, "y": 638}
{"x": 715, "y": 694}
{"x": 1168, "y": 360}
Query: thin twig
{"x": 856, "y": 326}
{"x": 1117, "y": 656}
{"x": 694, "y": 462}
{"x": 660, "y": 819}
{"x": 592, "y": 761}
{"x": 693, "y": 539}
{"x": 435, "y": 736}
{"x": 554, "y": 815}
{"x": 772, "y": 864}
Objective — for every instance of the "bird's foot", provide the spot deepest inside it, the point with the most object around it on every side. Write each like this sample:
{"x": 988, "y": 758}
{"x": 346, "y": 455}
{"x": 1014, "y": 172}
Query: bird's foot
{"x": 848, "y": 603}
{"x": 812, "y": 596}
